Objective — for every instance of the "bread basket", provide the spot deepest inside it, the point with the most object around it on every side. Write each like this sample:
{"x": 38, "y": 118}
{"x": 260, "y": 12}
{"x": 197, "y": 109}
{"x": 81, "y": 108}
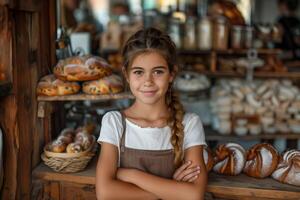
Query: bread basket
{"x": 68, "y": 162}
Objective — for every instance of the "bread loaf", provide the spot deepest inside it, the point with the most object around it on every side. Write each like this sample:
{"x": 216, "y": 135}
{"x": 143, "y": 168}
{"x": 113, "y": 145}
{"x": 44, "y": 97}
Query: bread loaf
{"x": 230, "y": 159}
{"x": 82, "y": 68}
{"x": 288, "y": 169}
{"x": 261, "y": 161}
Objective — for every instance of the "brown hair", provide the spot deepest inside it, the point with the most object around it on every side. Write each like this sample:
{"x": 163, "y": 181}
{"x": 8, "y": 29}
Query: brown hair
{"x": 149, "y": 40}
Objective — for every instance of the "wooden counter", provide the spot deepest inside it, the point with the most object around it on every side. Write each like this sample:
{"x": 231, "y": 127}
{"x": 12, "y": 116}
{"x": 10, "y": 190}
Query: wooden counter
{"x": 234, "y": 187}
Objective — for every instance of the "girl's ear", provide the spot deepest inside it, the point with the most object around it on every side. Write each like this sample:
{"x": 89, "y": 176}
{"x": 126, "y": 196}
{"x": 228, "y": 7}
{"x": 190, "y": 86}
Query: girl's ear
{"x": 125, "y": 74}
{"x": 173, "y": 73}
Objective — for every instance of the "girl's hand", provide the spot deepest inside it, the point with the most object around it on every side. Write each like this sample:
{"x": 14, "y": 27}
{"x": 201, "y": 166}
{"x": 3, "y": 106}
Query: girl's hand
{"x": 186, "y": 173}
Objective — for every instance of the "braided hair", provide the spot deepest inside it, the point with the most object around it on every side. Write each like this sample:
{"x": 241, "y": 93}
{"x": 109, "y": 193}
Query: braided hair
{"x": 153, "y": 40}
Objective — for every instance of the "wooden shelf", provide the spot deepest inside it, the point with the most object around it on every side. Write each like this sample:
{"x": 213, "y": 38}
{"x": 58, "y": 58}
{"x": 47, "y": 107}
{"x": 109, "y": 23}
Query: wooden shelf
{"x": 228, "y": 51}
{"x": 291, "y": 75}
{"x": 211, "y": 135}
{"x": 82, "y": 97}
{"x": 241, "y": 185}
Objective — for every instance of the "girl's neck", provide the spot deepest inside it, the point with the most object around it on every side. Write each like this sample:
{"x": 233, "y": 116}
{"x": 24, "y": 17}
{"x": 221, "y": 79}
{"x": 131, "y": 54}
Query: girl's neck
{"x": 150, "y": 112}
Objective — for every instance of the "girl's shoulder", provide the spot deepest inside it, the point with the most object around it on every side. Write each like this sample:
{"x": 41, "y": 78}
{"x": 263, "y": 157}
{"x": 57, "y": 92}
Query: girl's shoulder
{"x": 113, "y": 116}
{"x": 189, "y": 116}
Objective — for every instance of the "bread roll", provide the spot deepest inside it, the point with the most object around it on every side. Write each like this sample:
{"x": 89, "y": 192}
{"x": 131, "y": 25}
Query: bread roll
{"x": 74, "y": 148}
{"x": 230, "y": 159}
{"x": 51, "y": 86}
{"x": 58, "y": 146}
{"x": 261, "y": 161}
{"x": 107, "y": 85}
{"x": 82, "y": 68}
{"x": 84, "y": 138}
{"x": 288, "y": 169}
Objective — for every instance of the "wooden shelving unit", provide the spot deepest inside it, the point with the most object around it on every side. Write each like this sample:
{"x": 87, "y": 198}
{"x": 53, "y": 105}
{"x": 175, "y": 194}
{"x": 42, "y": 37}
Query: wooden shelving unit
{"x": 82, "y": 97}
{"x": 5, "y": 88}
{"x": 239, "y": 187}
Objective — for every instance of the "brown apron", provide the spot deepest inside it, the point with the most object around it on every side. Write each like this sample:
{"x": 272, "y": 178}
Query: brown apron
{"x": 156, "y": 162}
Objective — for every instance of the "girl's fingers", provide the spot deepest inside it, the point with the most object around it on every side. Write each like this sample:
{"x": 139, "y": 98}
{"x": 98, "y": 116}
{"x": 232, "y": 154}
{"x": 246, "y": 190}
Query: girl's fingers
{"x": 190, "y": 176}
{"x": 180, "y": 169}
{"x": 193, "y": 179}
{"x": 187, "y": 172}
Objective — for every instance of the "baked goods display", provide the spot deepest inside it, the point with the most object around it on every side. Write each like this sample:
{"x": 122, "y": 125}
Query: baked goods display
{"x": 229, "y": 159}
{"x": 49, "y": 85}
{"x": 269, "y": 106}
{"x": 188, "y": 81}
{"x": 288, "y": 169}
{"x": 72, "y": 141}
{"x": 261, "y": 160}
{"x": 208, "y": 159}
{"x": 82, "y": 68}
{"x": 107, "y": 85}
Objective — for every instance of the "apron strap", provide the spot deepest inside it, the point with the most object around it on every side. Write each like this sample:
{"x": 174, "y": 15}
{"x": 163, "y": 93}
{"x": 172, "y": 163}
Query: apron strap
{"x": 122, "y": 142}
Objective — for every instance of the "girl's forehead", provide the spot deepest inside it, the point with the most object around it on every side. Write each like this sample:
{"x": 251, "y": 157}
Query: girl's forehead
{"x": 149, "y": 60}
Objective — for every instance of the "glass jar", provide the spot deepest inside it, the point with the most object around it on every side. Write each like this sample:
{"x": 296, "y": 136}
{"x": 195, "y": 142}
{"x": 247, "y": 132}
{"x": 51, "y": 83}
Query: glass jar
{"x": 220, "y": 34}
{"x": 190, "y": 34}
{"x": 204, "y": 30}
{"x": 248, "y": 37}
{"x": 237, "y": 37}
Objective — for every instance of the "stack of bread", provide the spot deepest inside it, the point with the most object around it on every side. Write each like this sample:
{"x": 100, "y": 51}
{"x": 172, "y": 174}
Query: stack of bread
{"x": 276, "y": 103}
{"x": 72, "y": 141}
{"x": 95, "y": 71}
{"x": 260, "y": 161}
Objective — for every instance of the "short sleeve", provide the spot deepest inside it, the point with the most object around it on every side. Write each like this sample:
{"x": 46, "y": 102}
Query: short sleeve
{"x": 110, "y": 129}
{"x": 194, "y": 132}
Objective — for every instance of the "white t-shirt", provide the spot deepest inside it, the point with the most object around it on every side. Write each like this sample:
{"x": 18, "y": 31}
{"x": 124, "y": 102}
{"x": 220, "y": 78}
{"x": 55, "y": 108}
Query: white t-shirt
{"x": 149, "y": 138}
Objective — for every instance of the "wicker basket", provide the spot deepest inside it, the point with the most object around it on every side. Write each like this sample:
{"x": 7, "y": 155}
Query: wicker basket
{"x": 68, "y": 162}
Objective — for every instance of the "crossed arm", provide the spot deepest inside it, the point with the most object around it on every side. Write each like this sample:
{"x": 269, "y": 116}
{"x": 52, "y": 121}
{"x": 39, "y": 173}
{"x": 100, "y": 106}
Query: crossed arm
{"x": 122, "y": 183}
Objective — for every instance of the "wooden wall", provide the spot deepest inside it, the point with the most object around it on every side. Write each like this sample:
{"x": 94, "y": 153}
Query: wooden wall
{"x": 27, "y": 35}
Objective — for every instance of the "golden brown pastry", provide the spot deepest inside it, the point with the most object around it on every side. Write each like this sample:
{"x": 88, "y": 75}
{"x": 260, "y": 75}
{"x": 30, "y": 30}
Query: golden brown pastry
{"x": 84, "y": 138}
{"x": 82, "y": 68}
{"x": 67, "y": 135}
{"x": 230, "y": 159}
{"x": 51, "y": 86}
{"x": 74, "y": 148}
{"x": 208, "y": 159}
{"x": 261, "y": 161}
{"x": 58, "y": 146}
{"x": 107, "y": 85}
{"x": 288, "y": 169}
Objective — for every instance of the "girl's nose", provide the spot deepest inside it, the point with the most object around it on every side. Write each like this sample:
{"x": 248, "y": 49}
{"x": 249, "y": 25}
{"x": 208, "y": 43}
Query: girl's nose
{"x": 148, "y": 79}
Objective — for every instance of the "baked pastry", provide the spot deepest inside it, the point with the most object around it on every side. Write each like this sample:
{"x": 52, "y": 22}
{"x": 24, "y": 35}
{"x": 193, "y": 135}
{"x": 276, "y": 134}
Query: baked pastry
{"x": 288, "y": 169}
{"x": 67, "y": 135}
{"x": 230, "y": 159}
{"x": 191, "y": 81}
{"x": 58, "y": 146}
{"x": 107, "y": 85}
{"x": 261, "y": 161}
{"x": 82, "y": 68}
{"x": 84, "y": 138}
{"x": 51, "y": 86}
{"x": 74, "y": 148}
{"x": 208, "y": 159}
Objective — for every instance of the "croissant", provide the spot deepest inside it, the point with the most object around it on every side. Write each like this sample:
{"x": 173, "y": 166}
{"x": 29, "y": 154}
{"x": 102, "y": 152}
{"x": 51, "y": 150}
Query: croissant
{"x": 208, "y": 159}
{"x": 288, "y": 169}
{"x": 230, "y": 159}
{"x": 262, "y": 160}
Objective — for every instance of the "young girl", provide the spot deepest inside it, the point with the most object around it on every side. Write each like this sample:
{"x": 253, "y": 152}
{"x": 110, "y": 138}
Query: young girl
{"x": 151, "y": 150}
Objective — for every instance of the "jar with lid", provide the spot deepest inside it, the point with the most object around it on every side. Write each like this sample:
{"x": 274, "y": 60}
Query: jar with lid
{"x": 248, "y": 37}
{"x": 190, "y": 34}
{"x": 176, "y": 32}
{"x": 237, "y": 37}
{"x": 220, "y": 33}
{"x": 204, "y": 29}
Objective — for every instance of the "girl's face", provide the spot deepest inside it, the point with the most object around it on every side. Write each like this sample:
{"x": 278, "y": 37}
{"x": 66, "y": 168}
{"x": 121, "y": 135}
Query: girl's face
{"x": 149, "y": 77}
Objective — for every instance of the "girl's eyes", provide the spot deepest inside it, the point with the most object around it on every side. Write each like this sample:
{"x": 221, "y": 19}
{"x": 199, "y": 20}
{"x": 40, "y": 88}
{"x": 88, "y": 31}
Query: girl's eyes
{"x": 155, "y": 72}
{"x": 138, "y": 72}
{"x": 158, "y": 72}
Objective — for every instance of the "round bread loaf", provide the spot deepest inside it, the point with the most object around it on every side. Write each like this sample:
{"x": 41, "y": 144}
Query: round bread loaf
{"x": 107, "y": 85}
{"x": 51, "y": 86}
{"x": 82, "y": 68}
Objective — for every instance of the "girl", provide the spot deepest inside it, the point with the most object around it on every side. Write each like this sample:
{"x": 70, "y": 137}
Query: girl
{"x": 151, "y": 150}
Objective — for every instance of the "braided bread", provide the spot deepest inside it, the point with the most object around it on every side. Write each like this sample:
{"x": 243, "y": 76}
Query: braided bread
{"x": 262, "y": 160}
{"x": 230, "y": 159}
{"x": 288, "y": 169}
{"x": 82, "y": 68}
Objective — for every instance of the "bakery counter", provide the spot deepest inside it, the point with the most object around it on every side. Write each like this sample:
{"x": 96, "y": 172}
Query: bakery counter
{"x": 83, "y": 97}
{"x": 220, "y": 186}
